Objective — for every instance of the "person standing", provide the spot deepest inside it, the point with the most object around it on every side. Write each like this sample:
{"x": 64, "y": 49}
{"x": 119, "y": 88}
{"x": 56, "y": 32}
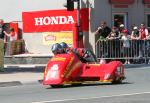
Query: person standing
{"x": 8, "y": 39}
{"x": 121, "y": 30}
{"x": 101, "y": 34}
{"x": 126, "y": 45}
{"x": 143, "y": 33}
{"x": 1, "y": 45}
{"x": 135, "y": 41}
{"x": 1, "y": 29}
{"x": 103, "y": 30}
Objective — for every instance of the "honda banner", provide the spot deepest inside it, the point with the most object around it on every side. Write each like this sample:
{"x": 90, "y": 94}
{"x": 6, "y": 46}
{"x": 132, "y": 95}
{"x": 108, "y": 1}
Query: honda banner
{"x": 54, "y": 20}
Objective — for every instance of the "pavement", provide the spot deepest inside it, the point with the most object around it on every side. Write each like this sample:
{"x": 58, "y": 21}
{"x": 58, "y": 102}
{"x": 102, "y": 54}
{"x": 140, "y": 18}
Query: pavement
{"x": 21, "y": 76}
{"x": 33, "y": 75}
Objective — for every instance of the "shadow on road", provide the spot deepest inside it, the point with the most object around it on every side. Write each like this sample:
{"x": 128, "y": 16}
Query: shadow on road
{"x": 85, "y": 85}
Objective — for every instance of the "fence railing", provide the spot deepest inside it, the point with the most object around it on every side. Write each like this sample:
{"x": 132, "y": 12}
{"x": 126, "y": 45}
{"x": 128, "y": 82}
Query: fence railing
{"x": 137, "y": 51}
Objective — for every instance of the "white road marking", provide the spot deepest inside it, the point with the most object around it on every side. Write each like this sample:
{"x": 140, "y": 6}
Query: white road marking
{"x": 75, "y": 99}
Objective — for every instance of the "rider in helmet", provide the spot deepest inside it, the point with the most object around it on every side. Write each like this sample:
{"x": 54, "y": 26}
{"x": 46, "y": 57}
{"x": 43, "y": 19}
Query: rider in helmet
{"x": 85, "y": 55}
{"x": 65, "y": 47}
{"x": 57, "y": 48}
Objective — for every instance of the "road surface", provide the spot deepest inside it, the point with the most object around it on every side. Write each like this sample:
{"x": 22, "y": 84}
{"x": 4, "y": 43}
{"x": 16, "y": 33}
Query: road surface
{"x": 135, "y": 89}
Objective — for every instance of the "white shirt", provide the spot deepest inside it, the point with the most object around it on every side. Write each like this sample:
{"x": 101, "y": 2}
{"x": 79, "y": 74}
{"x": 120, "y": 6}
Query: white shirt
{"x": 126, "y": 42}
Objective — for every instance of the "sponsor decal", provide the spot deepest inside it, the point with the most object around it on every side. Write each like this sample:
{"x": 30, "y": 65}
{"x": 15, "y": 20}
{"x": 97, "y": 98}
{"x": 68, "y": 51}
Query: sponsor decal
{"x": 74, "y": 68}
{"x": 53, "y": 72}
{"x": 68, "y": 67}
{"x": 50, "y": 38}
{"x": 54, "y": 20}
{"x": 58, "y": 59}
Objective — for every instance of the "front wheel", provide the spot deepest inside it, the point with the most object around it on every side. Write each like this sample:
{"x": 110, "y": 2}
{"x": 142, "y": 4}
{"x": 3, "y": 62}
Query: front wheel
{"x": 117, "y": 81}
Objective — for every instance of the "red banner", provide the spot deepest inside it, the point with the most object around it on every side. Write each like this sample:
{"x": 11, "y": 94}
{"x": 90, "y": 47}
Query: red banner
{"x": 54, "y": 20}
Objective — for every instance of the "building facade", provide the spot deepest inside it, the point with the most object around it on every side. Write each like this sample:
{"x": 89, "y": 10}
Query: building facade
{"x": 114, "y": 12}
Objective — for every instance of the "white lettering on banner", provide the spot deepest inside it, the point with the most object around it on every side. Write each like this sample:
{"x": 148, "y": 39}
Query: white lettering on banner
{"x": 38, "y": 21}
{"x": 46, "y": 21}
{"x": 54, "y": 20}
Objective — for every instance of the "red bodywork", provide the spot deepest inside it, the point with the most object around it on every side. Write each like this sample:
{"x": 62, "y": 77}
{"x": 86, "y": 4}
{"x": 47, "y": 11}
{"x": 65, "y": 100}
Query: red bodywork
{"x": 69, "y": 69}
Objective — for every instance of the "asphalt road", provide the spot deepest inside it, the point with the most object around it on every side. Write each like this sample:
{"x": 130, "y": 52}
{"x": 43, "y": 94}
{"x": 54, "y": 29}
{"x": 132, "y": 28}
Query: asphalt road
{"x": 135, "y": 89}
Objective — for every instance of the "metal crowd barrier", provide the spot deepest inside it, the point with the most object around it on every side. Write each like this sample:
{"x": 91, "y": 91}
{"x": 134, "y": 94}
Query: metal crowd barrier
{"x": 138, "y": 52}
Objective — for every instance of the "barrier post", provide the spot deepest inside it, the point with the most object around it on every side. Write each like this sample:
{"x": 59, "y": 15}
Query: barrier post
{"x": 1, "y": 54}
{"x": 77, "y": 40}
{"x": 75, "y": 35}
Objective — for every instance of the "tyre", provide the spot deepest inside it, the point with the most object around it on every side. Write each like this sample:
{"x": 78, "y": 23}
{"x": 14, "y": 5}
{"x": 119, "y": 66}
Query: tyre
{"x": 76, "y": 84}
{"x": 56, "y": 86}
{"x": 117, "y": 81}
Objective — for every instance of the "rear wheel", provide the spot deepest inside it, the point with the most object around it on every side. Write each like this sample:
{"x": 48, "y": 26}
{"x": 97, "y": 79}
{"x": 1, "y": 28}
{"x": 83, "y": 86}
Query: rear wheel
{"x": 76, "y": 84}
{"x": 56, "y": 86}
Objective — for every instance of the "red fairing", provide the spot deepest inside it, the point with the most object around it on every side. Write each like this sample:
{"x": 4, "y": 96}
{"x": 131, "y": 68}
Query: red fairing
{"x": 60, "y": 68}
{"x": 98, "y": 71}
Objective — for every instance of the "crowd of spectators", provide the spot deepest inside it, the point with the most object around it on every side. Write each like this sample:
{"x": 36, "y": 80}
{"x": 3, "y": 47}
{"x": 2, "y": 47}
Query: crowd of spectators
{"x": 131, "y": 42}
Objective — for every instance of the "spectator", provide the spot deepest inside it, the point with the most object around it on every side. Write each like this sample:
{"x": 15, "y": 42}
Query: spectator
{"x": 121, "y": 29}
{"x": 1, "y": 28}
{"x": 147, "y": 47}
{"x": 143, "y": 33}
{"x": 135, "y": 41}
{"x": 148, "y": 37}
{"x": 103, "y": 30}
{"x": 11, "y": 36}
{"x": 112, "y": 43}
{"x": 126, "y": 45}
{"x": 113, "y": 34}
{"x": 8, "y": 39}
{"x": 135, "y": 33}
{"x": 101, "y": 33}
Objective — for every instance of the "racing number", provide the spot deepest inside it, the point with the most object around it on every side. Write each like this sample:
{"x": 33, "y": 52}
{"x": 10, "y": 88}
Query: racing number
{"x": 52, "y": 73}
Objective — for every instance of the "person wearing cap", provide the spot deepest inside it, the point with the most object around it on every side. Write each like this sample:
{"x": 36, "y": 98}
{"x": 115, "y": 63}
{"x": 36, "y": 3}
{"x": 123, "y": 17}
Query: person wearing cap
{"x": 135, "y": 33}
{"x": 126, "y": 45}
{"x": 121, "y": 29}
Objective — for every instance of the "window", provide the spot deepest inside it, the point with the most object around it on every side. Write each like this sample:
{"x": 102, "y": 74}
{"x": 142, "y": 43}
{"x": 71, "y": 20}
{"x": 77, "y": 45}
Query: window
{"x": 148, "y": 20}
{"x": 119, "y": 18}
